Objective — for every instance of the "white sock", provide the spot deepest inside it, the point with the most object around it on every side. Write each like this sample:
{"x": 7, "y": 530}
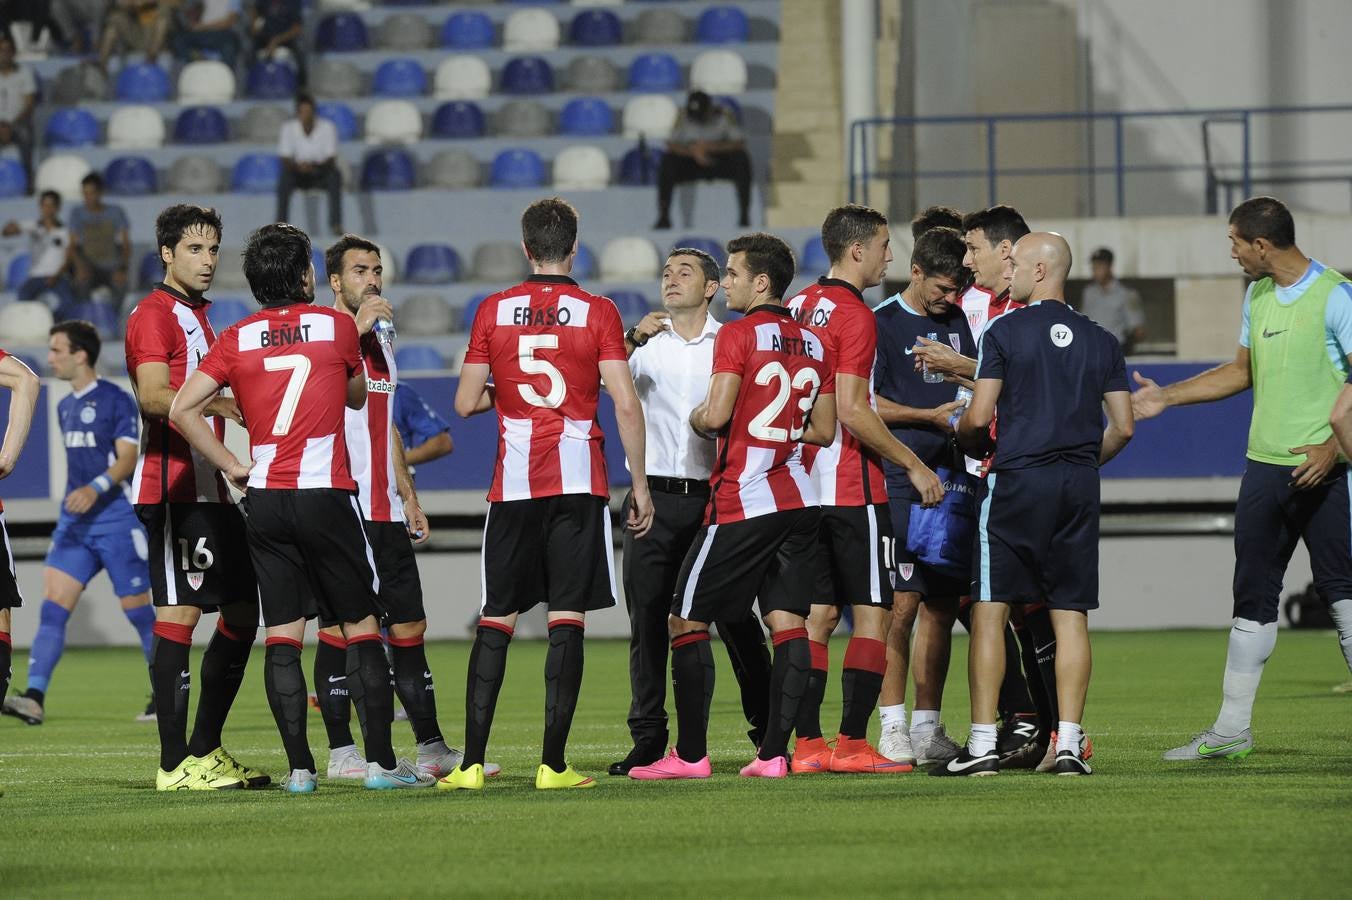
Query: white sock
{"x": 893, "y": 715}
{"x": 982, "y": 739}
{"x": 1341, "y": 610}
{"x": 1250, "y": 646}
{"x": 1068, "y": 737}
{"x": 923, "y": 720}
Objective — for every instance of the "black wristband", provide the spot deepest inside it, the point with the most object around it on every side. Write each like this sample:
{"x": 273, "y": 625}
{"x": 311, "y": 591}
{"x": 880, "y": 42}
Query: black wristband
{"x": 632, "y": 337}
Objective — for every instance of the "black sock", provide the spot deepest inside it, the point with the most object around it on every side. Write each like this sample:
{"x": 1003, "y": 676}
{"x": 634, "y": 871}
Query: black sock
{"x": 354, "y": 688}
{"x": 563, "y": 681}
{"x": 284, "y": 681}
{"x": 222, "y": 673}
{"x": 1039, "y": 655}
{"x": 860, "y": 683}
{"x": 413, "y": 681}
{"x": 378, "y": 697}
{"x": 169, "y": 674}
{"x": 33, "y": 694}
{"x": 331, "y": 690}
{"x": 1014, "y": 697}
{"x": 788, "y": 685}
{"x": 487, "y": 665}
{"x": 810, "y": 709}
{"x": 751, "y": 666}
{"x": 692, "y": 683}
{"x": 6, "y": 655}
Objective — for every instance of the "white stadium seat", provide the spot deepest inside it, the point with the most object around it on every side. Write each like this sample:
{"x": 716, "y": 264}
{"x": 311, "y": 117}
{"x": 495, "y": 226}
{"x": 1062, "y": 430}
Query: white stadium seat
{"x": 393, "y": 122}
{"x": 133, "y": 127}
{"x": 25, "y": 322}
{"x": 462, "y": 77}
{"x": 206, "y": 81}
{"x": 649, "y": 115}
{"x": 390, "y": 263}
{"x": 529, "y": 30}
{"x": 581, "y": 167}
{"x": 718, "y": 72}
{"x": 629, "y": 259}
{"x": 62, "y": 173}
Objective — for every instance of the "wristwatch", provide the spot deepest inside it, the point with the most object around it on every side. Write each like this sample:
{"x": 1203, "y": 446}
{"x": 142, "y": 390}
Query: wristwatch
{"x": 632, "y": 337}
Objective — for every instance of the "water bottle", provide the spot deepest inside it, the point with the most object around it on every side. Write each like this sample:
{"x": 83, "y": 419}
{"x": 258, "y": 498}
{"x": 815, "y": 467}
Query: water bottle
{"x": 385, "y": 332}
{"x": 931, "y": 377}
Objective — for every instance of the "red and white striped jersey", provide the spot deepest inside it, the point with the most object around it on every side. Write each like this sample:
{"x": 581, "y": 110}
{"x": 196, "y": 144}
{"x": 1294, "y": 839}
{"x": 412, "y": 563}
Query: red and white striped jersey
{"x": 783, "y": 367}
{"x": 981, "y": 306}
{"x": 167, "y": 327}
{"x": 289, "y": 366}
{"x": 368, "y": 436}
{"x": 543, "y": 341}
{"x": 846, "y": 473}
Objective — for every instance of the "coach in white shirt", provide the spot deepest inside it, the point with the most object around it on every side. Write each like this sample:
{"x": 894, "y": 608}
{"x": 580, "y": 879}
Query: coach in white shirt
{"x": 308, "y": 147}
{"x": 671, "y": 355}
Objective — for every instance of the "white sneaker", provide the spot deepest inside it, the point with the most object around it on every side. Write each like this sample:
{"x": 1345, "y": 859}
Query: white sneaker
{"x": 437, "y": 759}
{"x": 404, "y": 775}
{"x": 301, "y": 781}
{"x": 895, "y": 744}
{"x": 1210, "y": 745}
{"x": 933, "y": 745}
{"x": 347, "y": 762}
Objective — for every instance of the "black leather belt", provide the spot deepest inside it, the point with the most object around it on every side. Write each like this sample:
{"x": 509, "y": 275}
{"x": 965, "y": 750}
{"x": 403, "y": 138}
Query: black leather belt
{"x": 678, "y": 485}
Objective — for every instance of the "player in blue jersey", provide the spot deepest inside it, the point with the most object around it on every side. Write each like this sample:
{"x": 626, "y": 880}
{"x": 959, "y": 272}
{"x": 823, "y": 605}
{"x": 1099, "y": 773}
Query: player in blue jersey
{"x": 97, "y": 528}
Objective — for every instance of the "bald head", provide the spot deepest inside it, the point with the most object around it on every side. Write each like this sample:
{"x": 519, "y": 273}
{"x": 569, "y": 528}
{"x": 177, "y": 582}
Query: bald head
{"x": 1040, "y": 264}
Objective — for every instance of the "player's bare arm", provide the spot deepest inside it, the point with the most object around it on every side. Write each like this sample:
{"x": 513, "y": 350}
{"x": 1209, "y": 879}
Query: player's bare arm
{"x": 856, "y": 414}
{"x": 154, "y": 395}
{"x": 711, "y": 417}
{"x": 641, "y": 333}
{"x": 1226, "y": 380}
{"x": 372, "y": 308}
{"x": 1321, "y": 458}
{"x": 821, "y": 423}
{"x": 186, "y": 412}
{"x": 974, "y": 428}
{"x": 1121, "y": 425}
{"x": 82, "y": 499}
{"x": 1341, "y": 420}
{"x": 438, "y": 445}
{"x": 942, "y": 358}
{"x": 629, "y": 419}
{"x": 356, "y": 390}
{"x": 23, "y": 385}
{"x": 893, "y": 413}
{"x": 418, "y": 529}
{"x": 474, "y": 395}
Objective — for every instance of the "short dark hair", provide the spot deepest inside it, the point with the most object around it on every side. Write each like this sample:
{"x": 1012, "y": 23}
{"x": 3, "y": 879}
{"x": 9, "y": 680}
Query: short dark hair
{"x": 549, "y": 229}
{"x": 766, "y": 255}
{"x": 52, "y": 194}
{"x": 174, "y": 221}
{"x": 999, "y": 223}
{"x": 82, "y": 336}
{"x": 849, "y": 224}
{"x": 935, "y": 217}
{"x": 1266, "y": 218}
{"x": 305, "y": 97}
{"x": 333, "y": 257}
{"x": 276, "y": 258}
{"x": 93, "y": 178}
{"x": 939, "y": 252}
{"x": 1102, "y": 254}
{"x": 706, "y": 262}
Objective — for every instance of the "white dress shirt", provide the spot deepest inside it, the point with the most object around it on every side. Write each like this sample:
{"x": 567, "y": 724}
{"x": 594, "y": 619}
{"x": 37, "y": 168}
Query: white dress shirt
{"x": 672, "y": 376}
{"x": 316, "y": 147}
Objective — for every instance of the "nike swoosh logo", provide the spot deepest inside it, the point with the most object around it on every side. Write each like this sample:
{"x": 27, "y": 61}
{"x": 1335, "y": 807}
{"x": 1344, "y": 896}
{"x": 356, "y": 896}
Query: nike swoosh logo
{"x": 406, "y": 779}
{"x": 813, "y": 765}
{"x": 1203, "y": 749}
{"x": 184, "y": 674}
{"x": 427, "y": 674}
{"x": 1041, "y": 650}
{"x": 1268, "y": 334}
{"x": 955, "y": 766}
{"x": 190, "y": 332}
{"x": 336, "y": 678}
{"x": 909, "y": 350}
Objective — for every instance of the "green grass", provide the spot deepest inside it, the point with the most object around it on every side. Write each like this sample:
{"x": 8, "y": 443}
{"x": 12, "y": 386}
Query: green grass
{"x": 81, "y": 817}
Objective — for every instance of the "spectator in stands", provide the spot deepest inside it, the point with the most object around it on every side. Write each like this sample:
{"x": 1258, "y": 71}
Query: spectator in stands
{"x": 308, "y": 147}
{"x": 274, "y": 24}
{"x": 79, "y": 21}
{"x": 18, "y": 94}
{"x": 135, "y": 25}
{"x": 1112, "y": 304}
{"x": 100, "y": 242}
{"x": 35, "y": 15}
{"x": 707, "y": 143}
{"x": 48, "y": 253}
{"x": 425, "y": 434}
{"x": 206, "y": 27}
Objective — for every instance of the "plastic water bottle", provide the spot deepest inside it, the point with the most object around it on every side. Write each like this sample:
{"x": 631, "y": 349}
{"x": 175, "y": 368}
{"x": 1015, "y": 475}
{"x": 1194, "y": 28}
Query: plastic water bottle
{"x": 385, "y": 332}
{"x": 931, "y": 377}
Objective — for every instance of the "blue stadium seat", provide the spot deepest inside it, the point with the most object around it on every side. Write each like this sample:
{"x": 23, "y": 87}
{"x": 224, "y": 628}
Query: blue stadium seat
{"x": 655, "y": 72}
{"x": 432, "y": 264}
{"x": 638, "y": 168}
{"x": 321, "y": 271}
{"x": 150, "y": 270}
{"x": 389, "y": 170}
{"x": 468, "y": 31}
{"x": 131, "y": 176}
{"x": 399, "y": 78}
{"x": 595, "y": 28}
{"x": 201, "y": 125}
{"x": 143, "y": 83}
{"x": 731, "y": 105}
{"x": 102, "y": 316}
{"x": 722, "y": 25}
{"x": 17, "y": 273}
{"x": 707, "y": 244}
{"x": 342, "y": 117}
{"x": 13, "y": 179}
{"x": 341, "y": 32}
{"x": 226, "y": 311}
{"x": 472, "y": 307}
{"x": 631, "y": 304}
{"x": 256, "y": 173}
{"x": 72, "y": 127}
{"x": 517, "y": 168}
{"x": 814, "y": 257}
{"x": 527, "y": 75}
{"x": 586, "y": 116}
{"x": 458, "y": 119}
{"x": 270, "y": 80}
{"x": 584, "y": 263}
{"x": 415, "y": 357}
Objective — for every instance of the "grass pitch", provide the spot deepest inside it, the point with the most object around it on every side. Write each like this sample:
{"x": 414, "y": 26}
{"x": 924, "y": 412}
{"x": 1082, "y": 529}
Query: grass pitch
{"x": 81, "y": 816}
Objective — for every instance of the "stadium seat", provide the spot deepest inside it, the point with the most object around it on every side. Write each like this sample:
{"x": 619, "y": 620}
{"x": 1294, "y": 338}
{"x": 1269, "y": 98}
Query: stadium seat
{"x": 201, "y": 125}
{"x": 708, "y": 245}
{"x": 468, "y": 31}
{"x": 731, "y": 105}
{"x": 527, "y": 75}
{"x": 592, "y": 75}
{"x": 16, "y": 273}
{"x": 130, "y": 176}
{"x": 584, "y": 263}
{"x": 230, "y": 271}
{"x": 317, "y": 259}
{"x": 388, "y": 170}
{"x": 262, "y": 124}
{"x": 453, "y": 169}
{"x": 194, "y": 175}
{"x": 393, "y": 122}
{"x": 500, "y": 262}
{"x": 718, "y": 72}
{"x": 342, "y": 117}
{"x": 62, "y": 173}
{"x": 270, "y": 80}
{"x": 135, "y": 127}
{"x": 659, "y": 27}
{"x": 425, "y": 315}
{"x": 722, "y": 25}
{"x": 595, "y": 28}
{"x": 638, "y": 167}
{"x": 143, "y": 82}
{"x": 462, "y": 77}
{"x": 432, "y": 264}
{"x": 629, "y": 259}
{"x": 206, "y": 81}
{"x": 102, "y": 316}
{"x": 458, "y": 119}
{"x": 631, "y": 304}
{"x": 25, "y": 322}
{"x": 530, "y": 31}
{"x": 226, "y": 311}
{"x": 406, "y": 32}
{"x": 81, "y": 83}
{"x": 655, "y": 72}
{"x": 523, "y": 118}
{"x": 256, "y": 173}
{"x": 471, "y": 307}
{"x": 814, "y": 257}
{"x": 650, "y": 116}
{"x": 517, "y": 168}
{"x": 13, "y": 178}
{"x": 417, "y": 358}
{"x": 72, "y": 127}
{"x": 399, "y": 78}
{"x": 391, "y": 264}
{"x": 341, "y": 33}
{"x": 586, "y": 116}
{"x": 581, "y": 167}
{"x": 336, "y": 79}
{"x": 150, "y": 269}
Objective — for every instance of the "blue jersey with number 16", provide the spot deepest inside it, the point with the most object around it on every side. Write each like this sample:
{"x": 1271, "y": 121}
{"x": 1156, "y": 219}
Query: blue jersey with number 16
{"x": 92, "y": 421}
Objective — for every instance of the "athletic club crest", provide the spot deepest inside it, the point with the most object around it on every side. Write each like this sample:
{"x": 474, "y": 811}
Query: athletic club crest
{"x": 195, "y": 580}
{"x": 956, "y": 341}
{"x": 907, "y": 570}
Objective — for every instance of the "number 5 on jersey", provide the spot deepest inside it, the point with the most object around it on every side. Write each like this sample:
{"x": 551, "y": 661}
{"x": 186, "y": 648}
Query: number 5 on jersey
{"x": 526, "y": 347}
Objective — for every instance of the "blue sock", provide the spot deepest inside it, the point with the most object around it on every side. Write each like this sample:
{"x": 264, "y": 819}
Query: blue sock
{"x": 142, "y": 619}
{"x": 48, "y": 644}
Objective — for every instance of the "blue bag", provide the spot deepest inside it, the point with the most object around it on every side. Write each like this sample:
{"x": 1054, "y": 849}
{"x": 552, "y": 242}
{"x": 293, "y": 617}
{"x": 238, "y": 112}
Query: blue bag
{"x": 941, "y": 537}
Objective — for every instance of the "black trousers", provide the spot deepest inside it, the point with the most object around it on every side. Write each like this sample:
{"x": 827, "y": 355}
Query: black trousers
{"x": 651, "y": 565}
{"x": 734, "y": 166}
{"x": 326, "y": 176}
